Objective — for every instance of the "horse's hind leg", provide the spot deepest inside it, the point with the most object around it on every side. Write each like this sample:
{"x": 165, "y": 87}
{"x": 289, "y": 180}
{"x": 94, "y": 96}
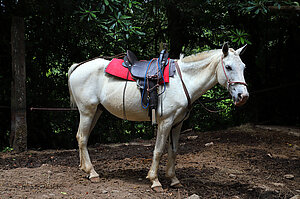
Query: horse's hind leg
{"x": 88, "y": 120}
{"x": 172, "y": 152}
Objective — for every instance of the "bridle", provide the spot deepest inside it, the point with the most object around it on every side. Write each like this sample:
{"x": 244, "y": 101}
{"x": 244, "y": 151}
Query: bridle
{"x": 230, "y": 83}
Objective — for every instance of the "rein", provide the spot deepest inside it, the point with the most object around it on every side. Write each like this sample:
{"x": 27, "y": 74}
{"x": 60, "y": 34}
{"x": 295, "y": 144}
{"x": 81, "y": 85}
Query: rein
{"x": 189, "y": 107}
{"x": 103, "y": 57}
{"x": 210, "y": 110}
{"x": 184, "y": 87}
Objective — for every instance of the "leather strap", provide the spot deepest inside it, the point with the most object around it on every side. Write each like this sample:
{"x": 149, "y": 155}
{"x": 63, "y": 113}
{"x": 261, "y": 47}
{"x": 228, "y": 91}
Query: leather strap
{"x": 229, "y": 83}
{"x": 184, "y": 87}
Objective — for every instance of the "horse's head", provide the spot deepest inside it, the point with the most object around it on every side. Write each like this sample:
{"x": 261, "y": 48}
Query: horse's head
{"x": 230, "y": 74}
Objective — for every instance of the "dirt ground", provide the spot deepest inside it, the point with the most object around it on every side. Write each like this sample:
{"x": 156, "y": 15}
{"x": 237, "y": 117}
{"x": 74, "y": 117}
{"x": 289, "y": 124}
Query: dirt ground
{"x": 243, "y": 162}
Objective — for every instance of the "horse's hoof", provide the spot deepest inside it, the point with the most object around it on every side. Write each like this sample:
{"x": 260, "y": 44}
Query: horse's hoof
{"x": 177, "y": 186}
{"x": 158, "y": 189}
{"x": 95, "y": 179}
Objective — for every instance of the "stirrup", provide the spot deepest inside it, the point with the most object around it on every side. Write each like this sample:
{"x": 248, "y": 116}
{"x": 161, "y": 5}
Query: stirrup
{"x": 153, "y": 117}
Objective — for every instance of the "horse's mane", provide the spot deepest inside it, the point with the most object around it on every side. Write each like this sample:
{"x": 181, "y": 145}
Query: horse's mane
{"x": 199, "y": 56}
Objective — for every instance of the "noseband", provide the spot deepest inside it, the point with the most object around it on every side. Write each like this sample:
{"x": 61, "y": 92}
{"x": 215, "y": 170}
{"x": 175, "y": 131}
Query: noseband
{"x": 230, "y": 83}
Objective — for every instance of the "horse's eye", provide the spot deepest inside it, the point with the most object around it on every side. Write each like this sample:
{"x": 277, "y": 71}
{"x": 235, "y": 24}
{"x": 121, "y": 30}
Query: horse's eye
{"x": 228, "y": 67}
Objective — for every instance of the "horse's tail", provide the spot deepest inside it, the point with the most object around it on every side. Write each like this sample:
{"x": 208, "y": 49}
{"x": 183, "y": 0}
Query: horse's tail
{"x": 72, "y": 100}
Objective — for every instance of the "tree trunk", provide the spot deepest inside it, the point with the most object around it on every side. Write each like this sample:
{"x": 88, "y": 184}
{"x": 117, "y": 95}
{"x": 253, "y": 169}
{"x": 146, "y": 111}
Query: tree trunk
{"x": 176, "y": 29}
{"x": 18, "y": 90}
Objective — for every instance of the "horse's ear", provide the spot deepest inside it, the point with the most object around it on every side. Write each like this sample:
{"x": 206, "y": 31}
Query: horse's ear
{"x": 225, "y": 49}
{"x": 241, "y": 50}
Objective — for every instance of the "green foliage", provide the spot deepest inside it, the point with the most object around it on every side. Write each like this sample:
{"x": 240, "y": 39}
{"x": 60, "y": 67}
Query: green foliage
{"x": 7, "y": 149}
{"x": 115, "y": 17}
{"x": 257, "y": 7}
{"x": 240, "y": 37}
{"x": 204, "y": 120}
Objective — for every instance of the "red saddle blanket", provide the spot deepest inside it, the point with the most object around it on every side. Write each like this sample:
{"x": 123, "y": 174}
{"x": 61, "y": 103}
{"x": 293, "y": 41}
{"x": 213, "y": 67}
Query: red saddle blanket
{"x": 116, "y": 68}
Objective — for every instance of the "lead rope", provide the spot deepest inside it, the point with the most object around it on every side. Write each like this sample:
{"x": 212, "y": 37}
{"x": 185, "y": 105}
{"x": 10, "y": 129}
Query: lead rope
{"x": 212, "y": 111}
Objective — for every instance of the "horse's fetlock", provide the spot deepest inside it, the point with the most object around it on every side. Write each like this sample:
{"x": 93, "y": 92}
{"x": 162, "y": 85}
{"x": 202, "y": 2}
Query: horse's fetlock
{"x": 86, "y": 168}
{"x": 170, "y": 173}
{"x": 151, "y": 176}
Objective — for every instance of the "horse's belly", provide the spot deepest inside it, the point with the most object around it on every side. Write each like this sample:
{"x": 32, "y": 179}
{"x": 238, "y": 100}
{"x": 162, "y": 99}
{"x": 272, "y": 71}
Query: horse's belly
{"x": 113, "y": 101}
{"x": 133, "y": 112}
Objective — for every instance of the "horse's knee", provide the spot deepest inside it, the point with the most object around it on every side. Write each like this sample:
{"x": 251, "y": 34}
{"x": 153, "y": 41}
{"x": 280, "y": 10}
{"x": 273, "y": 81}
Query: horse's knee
{"x": 157, "y": 155}
{"x": 78, "y": 137}
{"x": 82, "y": 140}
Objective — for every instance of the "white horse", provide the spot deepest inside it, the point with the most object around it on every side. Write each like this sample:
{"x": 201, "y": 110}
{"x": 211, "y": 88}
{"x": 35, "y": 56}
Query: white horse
{"x": 90, "y": 86}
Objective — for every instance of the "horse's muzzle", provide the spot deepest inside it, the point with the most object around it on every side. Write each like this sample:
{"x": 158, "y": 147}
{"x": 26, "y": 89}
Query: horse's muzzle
{"x": 241, "y": 99}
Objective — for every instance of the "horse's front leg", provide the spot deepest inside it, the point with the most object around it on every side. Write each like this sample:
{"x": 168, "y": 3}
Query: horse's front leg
{"x": 172, "y": 152}
{"x": 164, "y": 128}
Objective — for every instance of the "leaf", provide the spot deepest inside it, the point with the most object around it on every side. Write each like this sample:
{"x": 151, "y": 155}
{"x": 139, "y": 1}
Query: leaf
{"x": 279, "y": 6}
{"x": 119, "y": 15}
{"x": 125, "y": 17}
{"x": 102, "y": 9}
{"x": 112, "y": 26}
{"x": 106, "y": 2}
{"x": 93, "y": 15}
{"x": 139, "y": 32}
{"x": 104, "y": 27}
{"x": 242, "y": 40}
{"x": 248, "y": 42}
{"x": 82, "y": 18}
{"x": 235, "y": 40}
{"x": 250, "y": 8}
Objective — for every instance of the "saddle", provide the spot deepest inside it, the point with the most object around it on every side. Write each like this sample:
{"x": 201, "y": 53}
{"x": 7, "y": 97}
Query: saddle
{"x": 153, "y": 68}
{"x": 148, "y": 75}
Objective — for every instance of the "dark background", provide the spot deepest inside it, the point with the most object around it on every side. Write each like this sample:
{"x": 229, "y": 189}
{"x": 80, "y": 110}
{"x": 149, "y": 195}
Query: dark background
{"x": 60, "y": 33}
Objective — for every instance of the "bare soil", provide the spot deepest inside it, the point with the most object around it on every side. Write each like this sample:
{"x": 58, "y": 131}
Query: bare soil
{"x": 241, "y": 162}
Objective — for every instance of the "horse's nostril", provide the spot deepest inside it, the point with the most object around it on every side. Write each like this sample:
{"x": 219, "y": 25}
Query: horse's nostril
{"x": 239, "y": 95}
{"x": 243, "y": 96}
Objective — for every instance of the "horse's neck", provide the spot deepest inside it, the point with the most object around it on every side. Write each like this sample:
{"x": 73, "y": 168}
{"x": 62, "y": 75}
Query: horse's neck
{"x": 199, "y": 76}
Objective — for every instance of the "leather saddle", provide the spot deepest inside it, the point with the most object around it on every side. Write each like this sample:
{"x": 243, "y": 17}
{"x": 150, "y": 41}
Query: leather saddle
{"x": 152, "y": 69}
{"x": 148, "y": 74}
